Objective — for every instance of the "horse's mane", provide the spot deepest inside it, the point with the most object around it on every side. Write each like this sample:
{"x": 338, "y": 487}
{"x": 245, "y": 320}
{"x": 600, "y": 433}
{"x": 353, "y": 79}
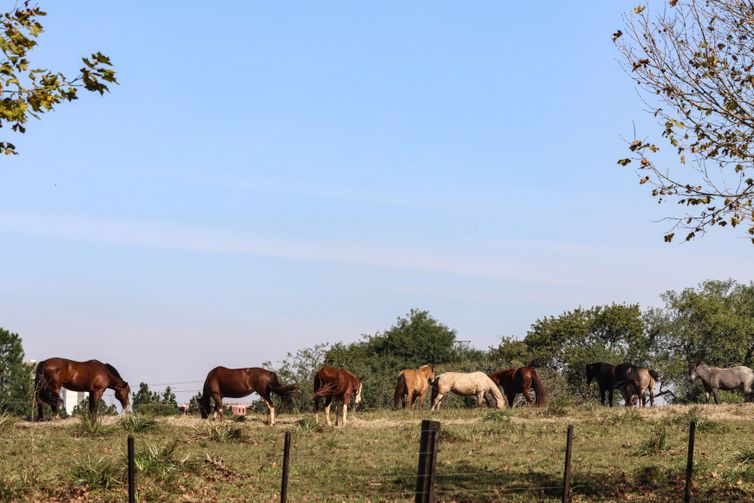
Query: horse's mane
{"x": 113, "y": 370}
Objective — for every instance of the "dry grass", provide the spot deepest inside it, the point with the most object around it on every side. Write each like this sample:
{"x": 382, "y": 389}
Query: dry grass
{"x": 484, "y": 456}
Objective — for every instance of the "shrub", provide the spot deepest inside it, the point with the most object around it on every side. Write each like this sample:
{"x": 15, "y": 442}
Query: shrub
{"x": 223, "y": 431}
{"x": 88, "y": 426}
{"x": 137, "y": 423}
{"x": 103, "y": 472}
{"x": 162, "y": 463}
{"x": 655, "y": 444}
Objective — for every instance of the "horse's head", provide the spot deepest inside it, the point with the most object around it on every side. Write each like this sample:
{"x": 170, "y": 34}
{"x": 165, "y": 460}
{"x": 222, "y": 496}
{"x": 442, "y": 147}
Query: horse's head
{"x": 123, "y": 394}
{"x": 428, "y": 371}
{"x": 357, "y": 398}
{"x": 694, "y": 371}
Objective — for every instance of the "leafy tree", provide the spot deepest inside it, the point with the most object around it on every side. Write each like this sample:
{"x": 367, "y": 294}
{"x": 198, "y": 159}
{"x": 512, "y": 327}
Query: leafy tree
{"x": 695, "y": 62}
{"x": 168, "y": 397}
{"x": 153, "y": 402}
{"x": 16, "y": 377}
{"x": 299, "y": 368}
{"x": 713, "y": 323}
{"x": 194, "y": 403}
{"x": 412, "y": 341}
{"x": 28, "y": 91}
{"x": 566, "y": 343}
{"x": 144, "y": 396}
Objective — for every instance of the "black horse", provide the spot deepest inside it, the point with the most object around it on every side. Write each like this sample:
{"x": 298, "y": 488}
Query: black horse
{"x": 610, "y": 377}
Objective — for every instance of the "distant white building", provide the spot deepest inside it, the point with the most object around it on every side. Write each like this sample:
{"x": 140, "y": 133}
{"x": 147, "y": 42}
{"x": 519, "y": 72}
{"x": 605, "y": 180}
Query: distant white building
{"x": 72, "y": 398}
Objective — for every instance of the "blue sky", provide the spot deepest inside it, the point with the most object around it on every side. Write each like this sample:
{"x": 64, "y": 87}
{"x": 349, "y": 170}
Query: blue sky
{"x": 270, "y": 176}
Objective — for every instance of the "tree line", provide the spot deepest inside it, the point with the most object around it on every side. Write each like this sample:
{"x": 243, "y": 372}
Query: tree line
{"x": 712, "y": 322}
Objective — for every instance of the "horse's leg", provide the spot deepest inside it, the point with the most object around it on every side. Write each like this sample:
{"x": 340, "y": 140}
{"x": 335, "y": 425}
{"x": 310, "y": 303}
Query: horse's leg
{"x": 480, "y": 399}
{"x": 602, "y": 395}
{"x": 651, "y": 396}
{"x": 610, "y": 396}
{"x": 510, "y": 396}
{"x": 55, "y": 402}
{"x": 94, "y": 397}
{"x": 420, "y": 399}
{"x": 219, "y": 412}
{"x": 345, "y": 411}
{"x": 714, "y": 393}
{"x": 328, "y": 404}
{"x": 526, "y": 389}
{"x": 270, "y": 408}
{"x": 436, "y": 403}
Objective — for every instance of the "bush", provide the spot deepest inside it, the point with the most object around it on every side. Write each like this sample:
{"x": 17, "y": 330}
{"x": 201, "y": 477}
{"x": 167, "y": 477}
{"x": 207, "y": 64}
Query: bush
{"x": 157, "y": 409}
{"x": 103, "y": 472}
{"x": 162, "y": 463}
{"x": 137, "y": 423}
{"x": 87, "y": 426}
{"x": 221, "y": 431}
{"x": 655, "y": 444}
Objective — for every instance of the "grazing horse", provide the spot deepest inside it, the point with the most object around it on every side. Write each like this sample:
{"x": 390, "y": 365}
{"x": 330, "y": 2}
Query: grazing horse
{"x": 463, "y": 384}
{"x": 92, "y": 376}
{"x": 728, "y": 379}
{"x": 636, "y": 391}
{"x": 237, "y": 383}
{"x": 331, "y": 384}
{"x": 413, "y": 384}
{"x": 610, "y": 377}
{"x": 520, "y": 380}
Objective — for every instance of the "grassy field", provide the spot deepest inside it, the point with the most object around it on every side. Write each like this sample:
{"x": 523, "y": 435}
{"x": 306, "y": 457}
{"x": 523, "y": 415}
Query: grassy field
{"x": 619, "y": 454}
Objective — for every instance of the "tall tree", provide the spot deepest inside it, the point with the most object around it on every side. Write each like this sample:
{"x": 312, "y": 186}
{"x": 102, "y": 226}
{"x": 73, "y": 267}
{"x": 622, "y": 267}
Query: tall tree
{"x": 694, "y": 61}
{"x": 16, "y": 385}
{"x": 567, "y": 342}
{"x": 29, "y": 91}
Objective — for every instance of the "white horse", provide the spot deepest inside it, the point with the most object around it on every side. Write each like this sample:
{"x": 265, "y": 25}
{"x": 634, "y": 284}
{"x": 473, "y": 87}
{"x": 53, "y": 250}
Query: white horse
{"x": 714, "y": 378}
{"x": 474, "y": 383}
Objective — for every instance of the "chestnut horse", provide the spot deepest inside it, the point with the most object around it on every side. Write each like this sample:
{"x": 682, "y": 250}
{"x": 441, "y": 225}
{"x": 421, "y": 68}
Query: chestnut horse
{"x": 520, "y": 380}
{"x": 636, "y": 391}
{"x": 413, "y": 384}
{"x": 334, "y": 384}
{"x": 237, "y": 383}
{"x": 610, "y": 377}
{"x": 92, "y": 376}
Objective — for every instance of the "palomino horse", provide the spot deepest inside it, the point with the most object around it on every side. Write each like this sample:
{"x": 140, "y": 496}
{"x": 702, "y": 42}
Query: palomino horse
{"x": 520, "y": 380}
{"x": 474, "y": 383}
{"x": 636, "y": 391}
{"x": 610, "y": 377}
{"x": 413, "y": 384}
{"x": 237, "y": 383}
{"x": 92, "y": 376}
{"x": 331, "y": 384}
{"x": 714, "y": 378}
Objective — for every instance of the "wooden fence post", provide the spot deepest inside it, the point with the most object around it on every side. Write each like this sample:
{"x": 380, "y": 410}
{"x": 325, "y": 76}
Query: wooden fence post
{"x": 567, "y": 469}
{"x": 286, "y": 461}
{"x": 425, "y": 478}
{"x": 131, "y": 471}
{"x": 690, "y": 462}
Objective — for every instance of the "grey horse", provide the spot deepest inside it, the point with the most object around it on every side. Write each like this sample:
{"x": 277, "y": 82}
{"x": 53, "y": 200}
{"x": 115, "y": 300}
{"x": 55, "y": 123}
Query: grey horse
{"x": 714, "y": 378}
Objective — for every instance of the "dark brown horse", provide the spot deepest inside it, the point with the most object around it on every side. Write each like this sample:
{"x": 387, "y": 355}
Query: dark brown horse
{"x": 610, "y": 377}
{"x": 520, "y": 380}
{"x": 92, "y": 376}
{"x": 237, "y": 383}
{"x": 333, "y": 384}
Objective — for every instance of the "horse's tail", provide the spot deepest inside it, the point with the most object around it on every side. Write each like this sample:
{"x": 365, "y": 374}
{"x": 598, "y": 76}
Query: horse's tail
{"x": 317, "y": 384}
{"x": 325, "y": 390}
{"x": 41, "y": 387}
{"x": 401, "y": 390}
{"x": 204, "y": 405}
{"x": 284, "y": 391}
{"x": 539, "y": 389}
{"x": 655, "y": 375}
